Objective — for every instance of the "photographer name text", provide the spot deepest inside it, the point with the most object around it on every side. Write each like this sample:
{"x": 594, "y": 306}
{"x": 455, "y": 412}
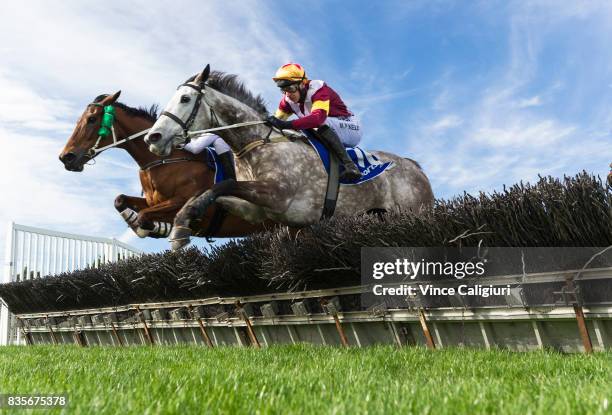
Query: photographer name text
{"x": 429, "y": 289}
{"x": 410, "y": 270}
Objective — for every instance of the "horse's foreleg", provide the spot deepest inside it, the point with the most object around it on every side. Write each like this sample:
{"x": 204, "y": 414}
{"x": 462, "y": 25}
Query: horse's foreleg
{"x": 266, "y": 194}
{"x": 163, "y": 212}
{"x": 130, "y": 207}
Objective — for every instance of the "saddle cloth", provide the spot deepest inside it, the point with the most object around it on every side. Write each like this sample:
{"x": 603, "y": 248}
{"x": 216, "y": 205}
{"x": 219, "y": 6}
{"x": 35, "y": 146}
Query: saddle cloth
{"x": 369, "y": 165}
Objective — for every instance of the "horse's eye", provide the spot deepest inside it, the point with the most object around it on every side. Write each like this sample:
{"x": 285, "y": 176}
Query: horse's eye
{"x": 91, "y": 120}
{"x": 185, "y": 99}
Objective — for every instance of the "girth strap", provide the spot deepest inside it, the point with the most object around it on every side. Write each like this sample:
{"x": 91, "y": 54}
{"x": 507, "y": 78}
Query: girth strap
{"x": 258, "y": 143}
{"x": 333, "y": 179}
{"x": 250, "y": 146}
{"x": 333, "y": 186}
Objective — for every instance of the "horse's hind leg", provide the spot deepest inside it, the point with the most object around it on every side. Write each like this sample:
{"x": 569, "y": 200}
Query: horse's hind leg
{"x": 262, "y": 194}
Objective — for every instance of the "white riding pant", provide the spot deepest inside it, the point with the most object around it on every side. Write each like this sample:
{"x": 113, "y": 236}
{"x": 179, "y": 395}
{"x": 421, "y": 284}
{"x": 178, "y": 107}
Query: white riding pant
{"x": 347, "y": 128}
{"x": 200, "y": 142}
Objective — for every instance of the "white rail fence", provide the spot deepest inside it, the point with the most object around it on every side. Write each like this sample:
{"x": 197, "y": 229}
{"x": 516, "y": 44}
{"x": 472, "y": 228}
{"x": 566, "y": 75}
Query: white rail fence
{"x": 34, "y": 253}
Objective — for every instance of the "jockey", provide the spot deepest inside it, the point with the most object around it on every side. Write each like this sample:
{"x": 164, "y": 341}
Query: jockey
{"x": 317, "y": 106}
{"x": 200, "y": 142}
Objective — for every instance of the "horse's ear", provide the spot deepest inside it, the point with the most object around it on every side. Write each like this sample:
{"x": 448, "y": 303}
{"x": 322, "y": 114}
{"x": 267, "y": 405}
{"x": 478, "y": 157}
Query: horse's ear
{"x": 111, "y": 99}
{"x": 203, "y": 77}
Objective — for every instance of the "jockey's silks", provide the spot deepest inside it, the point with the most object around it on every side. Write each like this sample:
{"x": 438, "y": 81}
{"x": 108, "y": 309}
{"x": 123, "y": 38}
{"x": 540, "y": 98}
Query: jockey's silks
{"x": 320, "y": 102}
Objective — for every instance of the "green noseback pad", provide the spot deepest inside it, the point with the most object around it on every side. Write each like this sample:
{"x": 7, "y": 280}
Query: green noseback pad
{"x": 107, "y": 121}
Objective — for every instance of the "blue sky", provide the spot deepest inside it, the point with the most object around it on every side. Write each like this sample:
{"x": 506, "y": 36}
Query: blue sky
{"x": 480, "y": 93}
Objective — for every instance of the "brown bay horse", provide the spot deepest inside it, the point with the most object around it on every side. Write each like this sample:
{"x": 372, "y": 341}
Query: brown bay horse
{"x": 167, "y": 182}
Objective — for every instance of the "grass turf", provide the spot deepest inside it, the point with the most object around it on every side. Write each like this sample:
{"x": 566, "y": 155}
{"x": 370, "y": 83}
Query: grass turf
{"x": 310, "y": 379}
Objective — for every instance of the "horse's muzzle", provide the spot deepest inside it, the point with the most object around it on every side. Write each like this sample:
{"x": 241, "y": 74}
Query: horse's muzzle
{"x": 72, "y": 162}
{"x": 156, "y": 145}
{"x": 153, "y": 138}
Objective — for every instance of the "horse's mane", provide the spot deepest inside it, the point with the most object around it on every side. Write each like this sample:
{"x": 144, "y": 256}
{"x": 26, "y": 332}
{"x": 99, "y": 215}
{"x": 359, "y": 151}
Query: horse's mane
{"x": 148, "y": 113}
{"x": 229, "y": 84}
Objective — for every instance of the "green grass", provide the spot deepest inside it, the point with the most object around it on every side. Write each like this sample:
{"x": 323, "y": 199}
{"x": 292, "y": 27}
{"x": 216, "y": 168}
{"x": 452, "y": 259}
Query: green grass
{"x": 309, "y": 379}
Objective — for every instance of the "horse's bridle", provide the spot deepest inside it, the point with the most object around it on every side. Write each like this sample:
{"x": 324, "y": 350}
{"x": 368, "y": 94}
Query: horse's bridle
{"x": 107, "y": 127}
{"x": 185, "y": 125}
{"x": 216, "y": 126}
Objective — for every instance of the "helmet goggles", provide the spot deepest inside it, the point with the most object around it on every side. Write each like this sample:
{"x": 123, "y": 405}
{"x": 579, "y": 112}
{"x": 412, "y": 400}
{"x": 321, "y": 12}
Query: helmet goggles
{"x": 287, "y": 85}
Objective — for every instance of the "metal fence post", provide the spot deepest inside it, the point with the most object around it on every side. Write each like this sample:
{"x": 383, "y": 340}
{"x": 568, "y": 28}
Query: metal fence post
{"x": 7, "y": 277}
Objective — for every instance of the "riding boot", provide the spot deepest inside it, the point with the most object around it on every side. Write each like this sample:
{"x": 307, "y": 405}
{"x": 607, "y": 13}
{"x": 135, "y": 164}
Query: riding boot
{"x": 331, "y": 139}
{"x": 228, "y": 165}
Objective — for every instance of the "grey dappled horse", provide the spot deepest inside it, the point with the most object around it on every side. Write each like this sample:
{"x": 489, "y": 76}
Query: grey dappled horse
{"x": 284, "y": 181}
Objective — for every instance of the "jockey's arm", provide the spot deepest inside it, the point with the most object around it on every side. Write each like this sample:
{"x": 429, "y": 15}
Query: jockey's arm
{"x": 315, "y": 119}
{"x": 200, "y": 142}
{"x": 318, "y": 112}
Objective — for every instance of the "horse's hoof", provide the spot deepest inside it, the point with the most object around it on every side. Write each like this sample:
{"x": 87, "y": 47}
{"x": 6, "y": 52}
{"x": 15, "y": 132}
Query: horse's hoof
{"x": 142, "y": 233}
{"x": 178, "y": 244}
{"x": 180, "y": 237}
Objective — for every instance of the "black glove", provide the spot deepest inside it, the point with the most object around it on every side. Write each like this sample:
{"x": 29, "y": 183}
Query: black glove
{"x": 278, "y": 123}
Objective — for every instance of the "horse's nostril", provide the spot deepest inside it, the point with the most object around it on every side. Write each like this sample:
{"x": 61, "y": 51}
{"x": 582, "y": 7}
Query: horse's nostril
{"x": 153, "y": 138}
{"x": 68, "y": 158}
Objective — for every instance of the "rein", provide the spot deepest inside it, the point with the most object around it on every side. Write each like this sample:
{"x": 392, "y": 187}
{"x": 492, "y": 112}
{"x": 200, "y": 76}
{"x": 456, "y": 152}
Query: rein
{"x": 226, "y": 127}
{"x": 107, "y": 127}
{"x": 162, "y": 162}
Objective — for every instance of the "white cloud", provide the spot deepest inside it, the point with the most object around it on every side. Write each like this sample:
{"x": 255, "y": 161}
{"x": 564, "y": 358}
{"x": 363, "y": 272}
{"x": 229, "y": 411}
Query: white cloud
{"x": 522, "y": 133}
{"x": 380, "y": 97}
{"x": 23, "y": 108}
{"x": 443, "y": 124}
{"x": 442, "y": 100}
{"x": 534, "y": 101}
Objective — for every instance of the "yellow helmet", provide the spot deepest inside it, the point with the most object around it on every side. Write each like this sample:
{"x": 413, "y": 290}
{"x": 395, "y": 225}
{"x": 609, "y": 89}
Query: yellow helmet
{"x": 288, "y": 74}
